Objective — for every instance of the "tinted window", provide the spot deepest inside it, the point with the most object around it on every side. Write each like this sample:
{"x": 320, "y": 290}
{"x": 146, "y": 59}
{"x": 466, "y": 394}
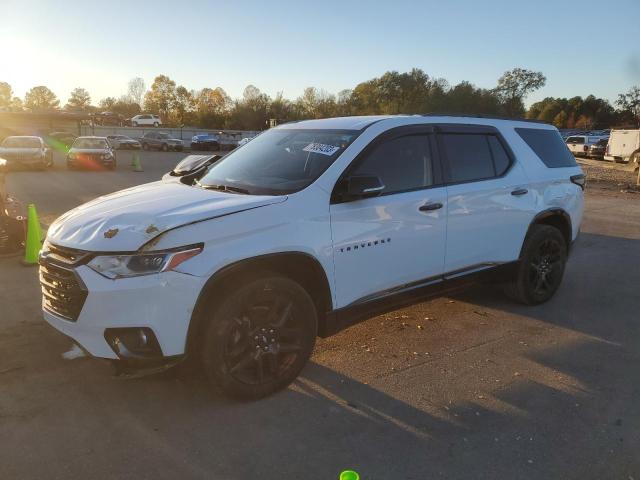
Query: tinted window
{"x": 403, "y": 163}
{"x": 468, "y": 156}
{"x": 548, "y": 145}
{"x": 500, "y": 158}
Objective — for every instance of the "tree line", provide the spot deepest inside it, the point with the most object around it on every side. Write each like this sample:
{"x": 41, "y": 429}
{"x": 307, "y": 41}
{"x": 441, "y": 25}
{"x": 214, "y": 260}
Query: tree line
{"x": 412, "y": 92}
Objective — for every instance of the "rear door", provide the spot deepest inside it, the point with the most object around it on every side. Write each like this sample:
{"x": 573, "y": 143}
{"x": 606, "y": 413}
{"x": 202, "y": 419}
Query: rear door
{"x": 489, "y": 205}
{"x": 394, "y": 241}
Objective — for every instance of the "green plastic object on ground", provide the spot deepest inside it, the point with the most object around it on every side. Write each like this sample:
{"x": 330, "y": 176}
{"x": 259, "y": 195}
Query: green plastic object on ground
{"x": 137, "y": 166}
{"x": 349, "y": 475}
{"x": 35, "y": 236}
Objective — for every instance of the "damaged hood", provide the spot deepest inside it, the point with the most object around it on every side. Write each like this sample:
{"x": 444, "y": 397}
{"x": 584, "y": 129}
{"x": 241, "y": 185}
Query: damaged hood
{"x": 126, "y": 220}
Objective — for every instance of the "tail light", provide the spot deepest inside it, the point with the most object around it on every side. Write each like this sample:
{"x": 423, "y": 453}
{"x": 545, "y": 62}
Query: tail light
{"x": 579, "y": 180}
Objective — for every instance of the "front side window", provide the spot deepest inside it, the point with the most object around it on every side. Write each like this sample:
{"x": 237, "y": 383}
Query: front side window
{"x": 468, "y": 156}
{"x": 402, "y": 164}
{"x": 279, "y": 161}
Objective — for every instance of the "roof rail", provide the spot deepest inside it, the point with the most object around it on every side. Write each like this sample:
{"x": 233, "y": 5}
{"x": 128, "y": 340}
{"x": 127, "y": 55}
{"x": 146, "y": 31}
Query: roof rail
{"x": 490, "y": 117}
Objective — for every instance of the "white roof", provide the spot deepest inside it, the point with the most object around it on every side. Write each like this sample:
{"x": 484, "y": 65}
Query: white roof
{"x": 339, "y": 123}
{"x": 360, "y": 122}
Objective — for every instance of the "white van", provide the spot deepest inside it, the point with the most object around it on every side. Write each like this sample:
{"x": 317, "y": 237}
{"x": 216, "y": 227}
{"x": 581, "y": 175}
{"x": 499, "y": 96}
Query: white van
{"x": 623, "y": 144}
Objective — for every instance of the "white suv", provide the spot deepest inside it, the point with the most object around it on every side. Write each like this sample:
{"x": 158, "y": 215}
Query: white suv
{"x": 303, "y": 231}
{"x": 146, "y": 120}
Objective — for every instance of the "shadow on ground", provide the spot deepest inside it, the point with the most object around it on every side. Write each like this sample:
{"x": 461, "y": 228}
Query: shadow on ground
{"x": 574, "y": 414}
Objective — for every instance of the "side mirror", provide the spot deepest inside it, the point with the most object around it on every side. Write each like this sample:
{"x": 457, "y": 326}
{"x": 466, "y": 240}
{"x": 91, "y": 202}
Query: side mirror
{"x": 192, "y": 168}
{"x": 364, "y": 186}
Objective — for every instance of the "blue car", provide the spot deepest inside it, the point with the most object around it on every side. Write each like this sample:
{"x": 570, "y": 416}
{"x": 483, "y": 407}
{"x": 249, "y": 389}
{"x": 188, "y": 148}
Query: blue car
{"x": 205, "y": 141}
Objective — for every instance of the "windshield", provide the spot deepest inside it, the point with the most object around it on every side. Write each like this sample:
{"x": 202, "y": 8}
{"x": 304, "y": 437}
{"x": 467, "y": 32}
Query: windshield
{"x": 163, "y": 135}
{"x": 21, "y": 142}
{"x": 90, "y": 143}
{"x": 279, "y": 161}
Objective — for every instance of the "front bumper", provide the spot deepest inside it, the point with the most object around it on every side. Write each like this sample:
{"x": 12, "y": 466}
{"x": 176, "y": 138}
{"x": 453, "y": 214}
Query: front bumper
{"x": 163, "y": 303}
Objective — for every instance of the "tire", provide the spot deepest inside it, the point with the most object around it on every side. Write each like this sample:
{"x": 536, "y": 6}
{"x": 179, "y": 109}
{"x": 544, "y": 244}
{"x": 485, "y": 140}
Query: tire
{"x": 155, "y": 124}
{"x": 215, "y": 147}
{"x": 134, "y": 124}
{"x": 145, "y": 146}
{"x": 70, "y": 166}
{"x": 542, "y": 264}
{"x": 179, "y": 149}
{"x": 259, "y": 337}
{"x": 164, "y": 147}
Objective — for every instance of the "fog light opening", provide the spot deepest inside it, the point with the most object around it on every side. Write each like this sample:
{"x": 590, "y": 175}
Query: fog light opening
{"x": 133, "y": 343}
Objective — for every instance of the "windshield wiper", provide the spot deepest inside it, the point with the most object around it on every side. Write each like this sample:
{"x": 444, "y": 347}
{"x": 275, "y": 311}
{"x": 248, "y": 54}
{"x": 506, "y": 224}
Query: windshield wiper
{"x": 225, "y": 188}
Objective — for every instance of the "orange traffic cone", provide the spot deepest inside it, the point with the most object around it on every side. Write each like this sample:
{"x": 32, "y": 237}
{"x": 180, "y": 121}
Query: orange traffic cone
{"x": 35, "y": 237}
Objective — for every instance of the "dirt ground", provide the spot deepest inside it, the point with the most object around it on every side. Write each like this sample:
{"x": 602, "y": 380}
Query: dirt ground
{"x": 471, "y": 386}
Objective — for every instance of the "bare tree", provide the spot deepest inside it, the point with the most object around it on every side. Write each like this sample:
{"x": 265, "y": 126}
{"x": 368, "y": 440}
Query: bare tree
{"x": 136, "y": 89}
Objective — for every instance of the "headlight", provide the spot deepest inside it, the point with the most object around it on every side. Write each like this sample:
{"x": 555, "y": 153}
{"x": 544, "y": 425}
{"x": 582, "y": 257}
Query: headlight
{"x": 124, "y": 266}
{"x": 105, "y": 156}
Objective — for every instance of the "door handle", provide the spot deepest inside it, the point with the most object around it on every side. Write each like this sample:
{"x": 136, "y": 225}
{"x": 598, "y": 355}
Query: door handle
{"x": 428, "y": 207}
{"x": 520, "y": 191}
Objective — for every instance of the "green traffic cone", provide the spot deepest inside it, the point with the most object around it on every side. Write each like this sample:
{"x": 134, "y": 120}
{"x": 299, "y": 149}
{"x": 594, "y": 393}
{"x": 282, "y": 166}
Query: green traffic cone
{"x": 35, "y": 237}
{"x": 137, "y": 167}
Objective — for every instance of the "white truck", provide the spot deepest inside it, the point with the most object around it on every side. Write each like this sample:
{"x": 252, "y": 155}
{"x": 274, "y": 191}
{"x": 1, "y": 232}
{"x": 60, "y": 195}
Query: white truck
{"x": 623, "y": 146}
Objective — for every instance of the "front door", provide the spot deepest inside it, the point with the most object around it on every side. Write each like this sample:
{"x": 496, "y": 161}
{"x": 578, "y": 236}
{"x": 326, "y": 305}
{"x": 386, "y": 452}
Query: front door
{"x": 397, "y": 239}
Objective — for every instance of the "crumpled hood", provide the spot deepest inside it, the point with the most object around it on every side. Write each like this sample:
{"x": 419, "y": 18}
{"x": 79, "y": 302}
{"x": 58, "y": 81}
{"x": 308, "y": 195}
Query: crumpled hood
{"x": 126, "y": 220}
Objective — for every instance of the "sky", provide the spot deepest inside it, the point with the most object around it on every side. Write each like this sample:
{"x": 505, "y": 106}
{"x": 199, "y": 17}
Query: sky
{"x": 583, "y": 47}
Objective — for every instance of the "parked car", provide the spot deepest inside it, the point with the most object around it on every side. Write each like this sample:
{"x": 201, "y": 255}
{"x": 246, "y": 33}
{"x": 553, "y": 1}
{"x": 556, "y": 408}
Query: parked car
{"x": 579, "y": 144}
{"x": 91, "y": 153}
{"x": 60, "y": 141}
{"x": 26, "y": 151}
{"x": 108, "y": 119}
{"x": 244, "y": 141}
{"x": 623, "y": 146}
{"x": 145, "y": 120}
{"x": 161, "y": 141}
{"x": 122, "y": 142}
{"x": 205, "y": 141}
{"x": 306, "y": 230}
{"x": 597, "y": 150}
{"x": 12, "y": 217}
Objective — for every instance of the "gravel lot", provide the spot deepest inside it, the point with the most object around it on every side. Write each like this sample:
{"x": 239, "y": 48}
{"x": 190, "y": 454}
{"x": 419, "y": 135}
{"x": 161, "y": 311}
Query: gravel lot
{"x": 471, "y": 386}
{"x": 608, "y": 176}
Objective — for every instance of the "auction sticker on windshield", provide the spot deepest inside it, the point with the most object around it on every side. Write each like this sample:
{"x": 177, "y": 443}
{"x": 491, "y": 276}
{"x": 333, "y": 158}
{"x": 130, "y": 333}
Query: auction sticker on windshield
{"x": 321, "y": 148}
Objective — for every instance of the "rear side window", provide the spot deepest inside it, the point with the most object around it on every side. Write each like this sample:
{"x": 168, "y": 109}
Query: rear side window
{"x": 548, "y": 146}
{"x": 403, "y": 164}
{"x": 500, "y": 158}
{"x": 469, "y": 157}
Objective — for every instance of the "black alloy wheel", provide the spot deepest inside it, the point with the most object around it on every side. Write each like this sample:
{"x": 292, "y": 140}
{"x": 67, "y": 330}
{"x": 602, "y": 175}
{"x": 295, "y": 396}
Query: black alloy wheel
{"x": 541, "y": 266}
{"x": 260, "y": 338}
{"x": 546, "y": 267}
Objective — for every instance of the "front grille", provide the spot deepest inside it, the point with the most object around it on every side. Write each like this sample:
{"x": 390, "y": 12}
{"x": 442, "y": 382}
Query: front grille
{"x": 62, "y": 291}
{"x": 66, "y": 256}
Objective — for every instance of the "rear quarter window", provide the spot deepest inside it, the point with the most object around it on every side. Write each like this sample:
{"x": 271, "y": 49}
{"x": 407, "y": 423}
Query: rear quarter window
{"x": 548, "y": 146}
